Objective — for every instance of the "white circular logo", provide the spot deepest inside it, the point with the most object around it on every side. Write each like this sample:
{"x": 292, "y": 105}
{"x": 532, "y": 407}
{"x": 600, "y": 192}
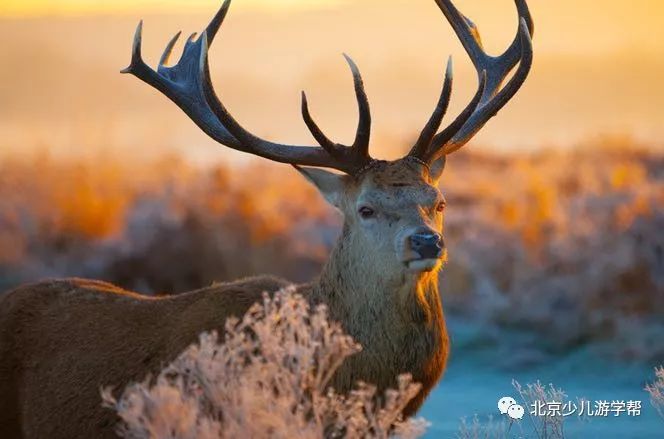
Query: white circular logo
{"x": 515, "y": 411}
{"x": 504, "y": 404}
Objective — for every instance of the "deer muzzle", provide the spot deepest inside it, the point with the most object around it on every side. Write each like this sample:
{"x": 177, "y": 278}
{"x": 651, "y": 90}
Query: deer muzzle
{"x": 428, "y": 245}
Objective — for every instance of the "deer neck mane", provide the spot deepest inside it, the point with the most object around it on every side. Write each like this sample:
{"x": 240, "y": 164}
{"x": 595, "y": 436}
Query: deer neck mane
{"x": 398, "y": 320}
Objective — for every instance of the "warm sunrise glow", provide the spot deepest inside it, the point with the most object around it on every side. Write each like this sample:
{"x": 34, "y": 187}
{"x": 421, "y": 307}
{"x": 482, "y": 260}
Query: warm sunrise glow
{"x": 76, "y": 7}
{"x": 589, "y": 25}
{"x": 597, "y": 69}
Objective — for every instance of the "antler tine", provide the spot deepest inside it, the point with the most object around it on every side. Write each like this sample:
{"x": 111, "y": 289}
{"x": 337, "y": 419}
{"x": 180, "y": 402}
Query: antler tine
{"x": 363, "y": 134}
{"x": 136, "y": 56}
{"x": 358, "y": 152}
{"x": 491, "y": 96}
{"x": 169, "y": 49}
{"x": 466, "y": 31}
{"x": 421, "y": 148}
{"x": 331, "y": 147}
{"x": 217, "y": 21}
{"x": 445, "y": 136}
{"x": 513, "y": 53}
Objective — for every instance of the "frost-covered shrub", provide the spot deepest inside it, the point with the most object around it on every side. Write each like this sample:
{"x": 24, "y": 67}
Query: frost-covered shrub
{"x": 656, "y": 391}
{"x": 550, "y": 424}
{"x": 475, "y": 429}
{"x": 268, "y": 378}
{"x": 543, "y": 424}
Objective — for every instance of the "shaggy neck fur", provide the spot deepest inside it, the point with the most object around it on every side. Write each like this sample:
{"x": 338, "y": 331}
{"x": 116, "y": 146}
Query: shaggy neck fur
{"x": 352, "y": 288}
{"x": 397, "y": 319}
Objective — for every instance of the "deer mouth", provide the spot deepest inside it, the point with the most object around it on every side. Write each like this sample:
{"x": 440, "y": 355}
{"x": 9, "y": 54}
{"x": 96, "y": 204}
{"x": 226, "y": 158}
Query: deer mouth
{"x": 424, "y": 265}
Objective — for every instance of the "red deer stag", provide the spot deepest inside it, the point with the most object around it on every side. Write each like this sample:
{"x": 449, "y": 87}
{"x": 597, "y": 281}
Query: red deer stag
{"x": 61, "y": 340}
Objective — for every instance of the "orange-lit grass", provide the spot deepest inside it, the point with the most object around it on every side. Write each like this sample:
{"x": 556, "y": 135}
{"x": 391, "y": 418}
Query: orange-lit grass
{"x": 528, "y": 234}
{"x": 91, "y": 200}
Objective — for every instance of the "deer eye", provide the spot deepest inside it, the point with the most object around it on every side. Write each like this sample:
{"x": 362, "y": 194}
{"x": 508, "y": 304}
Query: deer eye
{"x": 440, "y": 207}
{"x": 366, "y": 212}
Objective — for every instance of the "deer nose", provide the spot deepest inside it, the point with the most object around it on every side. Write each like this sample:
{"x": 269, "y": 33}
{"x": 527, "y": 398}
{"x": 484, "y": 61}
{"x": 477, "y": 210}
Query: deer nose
{"x": 428, "y": 245}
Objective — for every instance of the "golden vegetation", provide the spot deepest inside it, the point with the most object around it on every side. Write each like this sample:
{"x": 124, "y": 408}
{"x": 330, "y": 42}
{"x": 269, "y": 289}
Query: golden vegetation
{"x": 576, "y": 230}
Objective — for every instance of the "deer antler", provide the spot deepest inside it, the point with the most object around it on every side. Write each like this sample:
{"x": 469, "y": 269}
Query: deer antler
{"x": 358, "y": 152}
{"x": 189, "y": 86}
{"x": 490, "y": 96}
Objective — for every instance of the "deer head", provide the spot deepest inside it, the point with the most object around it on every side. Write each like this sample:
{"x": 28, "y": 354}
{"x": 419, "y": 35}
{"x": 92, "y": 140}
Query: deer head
{"x": 393, "y": 210}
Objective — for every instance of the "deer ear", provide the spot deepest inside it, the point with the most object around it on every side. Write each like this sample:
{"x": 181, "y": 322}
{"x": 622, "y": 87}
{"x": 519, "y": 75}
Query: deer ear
{"x": 329, "y": 184}
{"x": 436, "y": 168}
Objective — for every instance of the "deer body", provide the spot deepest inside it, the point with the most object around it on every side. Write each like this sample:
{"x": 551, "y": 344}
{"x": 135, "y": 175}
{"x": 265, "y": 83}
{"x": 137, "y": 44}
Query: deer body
{"x": 61, "y": 341}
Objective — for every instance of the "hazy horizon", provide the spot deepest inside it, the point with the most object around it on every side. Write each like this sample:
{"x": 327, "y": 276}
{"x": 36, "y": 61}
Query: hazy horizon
{"x": 600, "y": 76}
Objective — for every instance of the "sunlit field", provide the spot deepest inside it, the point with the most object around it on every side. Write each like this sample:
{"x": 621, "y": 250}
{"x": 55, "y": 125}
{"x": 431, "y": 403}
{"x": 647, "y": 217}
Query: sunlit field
{"x": 561, "y": 244}
{"x": 554, "y": 217}
{"x": 551, "y": 253}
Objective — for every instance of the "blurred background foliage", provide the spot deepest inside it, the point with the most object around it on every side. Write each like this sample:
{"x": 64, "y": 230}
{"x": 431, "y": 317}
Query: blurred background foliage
{"x": 567, "y": 245}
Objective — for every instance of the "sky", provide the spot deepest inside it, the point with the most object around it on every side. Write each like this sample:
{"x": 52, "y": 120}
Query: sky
{"x": 597, "y": 70}
{"x": 69, "y": 7}
{"x": 590, "y": 25}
